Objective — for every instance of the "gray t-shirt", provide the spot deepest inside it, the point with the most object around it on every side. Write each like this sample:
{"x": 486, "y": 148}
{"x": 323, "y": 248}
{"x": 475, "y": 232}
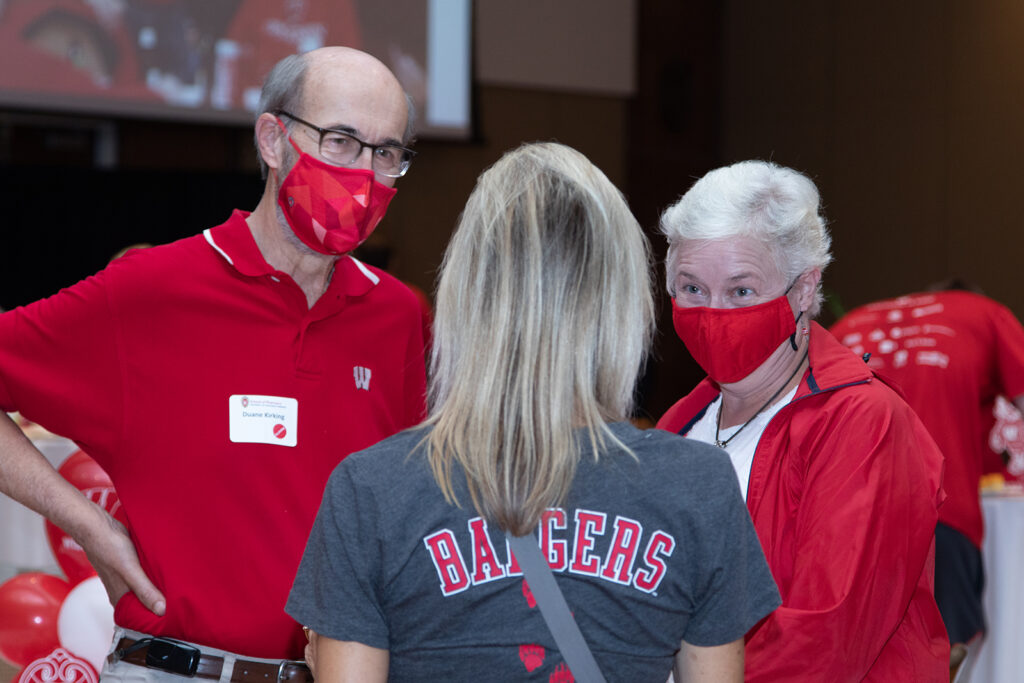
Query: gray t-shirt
{"x": 648, "y": 552}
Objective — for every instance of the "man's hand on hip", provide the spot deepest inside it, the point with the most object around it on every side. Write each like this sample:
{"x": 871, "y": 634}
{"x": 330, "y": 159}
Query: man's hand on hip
{"x": 112, "y": 553}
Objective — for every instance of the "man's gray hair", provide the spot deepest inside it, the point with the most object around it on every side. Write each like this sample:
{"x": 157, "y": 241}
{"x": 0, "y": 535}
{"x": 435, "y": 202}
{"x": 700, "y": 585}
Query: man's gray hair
{"x": 283, "y": 91}
{"x": 773, "y": 204}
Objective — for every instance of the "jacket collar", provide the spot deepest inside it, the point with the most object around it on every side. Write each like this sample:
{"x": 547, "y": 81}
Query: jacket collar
{"x": 832, "y": 366}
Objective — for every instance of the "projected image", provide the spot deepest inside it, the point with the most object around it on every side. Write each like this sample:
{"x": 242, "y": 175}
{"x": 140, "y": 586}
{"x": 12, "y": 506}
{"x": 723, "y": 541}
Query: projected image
{"x": 205, "y": 59}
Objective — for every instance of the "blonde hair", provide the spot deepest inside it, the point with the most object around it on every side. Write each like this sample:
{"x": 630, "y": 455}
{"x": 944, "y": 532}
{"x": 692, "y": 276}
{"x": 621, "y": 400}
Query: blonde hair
{"x": 543, "y": 318}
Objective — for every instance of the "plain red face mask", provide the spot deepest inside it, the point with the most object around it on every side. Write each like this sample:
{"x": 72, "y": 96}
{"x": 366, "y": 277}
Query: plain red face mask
{"x": 730, "y": 343}
{"x": 332, "y": 209}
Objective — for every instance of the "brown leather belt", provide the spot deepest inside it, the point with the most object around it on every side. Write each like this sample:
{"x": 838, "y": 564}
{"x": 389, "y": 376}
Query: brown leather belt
{"x": 210, "y": 666}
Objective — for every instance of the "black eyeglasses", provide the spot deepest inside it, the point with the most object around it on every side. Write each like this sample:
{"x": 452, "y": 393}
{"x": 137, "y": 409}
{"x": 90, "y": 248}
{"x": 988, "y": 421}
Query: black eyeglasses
{"x": 344, "y": 148}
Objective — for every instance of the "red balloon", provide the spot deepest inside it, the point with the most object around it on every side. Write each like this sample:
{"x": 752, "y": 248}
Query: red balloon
{"x": 29, "y": 607}
{"x": 88, "y": 477}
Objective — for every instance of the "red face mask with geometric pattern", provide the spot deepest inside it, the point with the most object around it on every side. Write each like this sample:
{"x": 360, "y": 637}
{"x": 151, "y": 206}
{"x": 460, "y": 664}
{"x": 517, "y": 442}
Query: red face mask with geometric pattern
{"x": 332, "y": 209}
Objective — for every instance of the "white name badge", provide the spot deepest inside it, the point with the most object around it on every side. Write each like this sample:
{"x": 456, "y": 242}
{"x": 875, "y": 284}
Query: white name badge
{"x": 263, "y": 419}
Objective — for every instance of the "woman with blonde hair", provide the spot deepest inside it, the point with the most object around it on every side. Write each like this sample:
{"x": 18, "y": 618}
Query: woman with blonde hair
{"x": 543, "y": 317}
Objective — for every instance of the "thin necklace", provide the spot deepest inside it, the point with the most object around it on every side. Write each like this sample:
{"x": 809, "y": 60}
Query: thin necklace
{"x": 718, "y": 424}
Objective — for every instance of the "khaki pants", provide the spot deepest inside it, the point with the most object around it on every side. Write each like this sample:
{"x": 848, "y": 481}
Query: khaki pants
{"x": 132, "y": 673}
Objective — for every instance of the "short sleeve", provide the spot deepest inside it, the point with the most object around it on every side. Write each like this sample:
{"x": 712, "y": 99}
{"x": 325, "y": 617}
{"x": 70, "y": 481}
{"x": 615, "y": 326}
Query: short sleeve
{"x": 60, "y": 364}
{"x": 736, "y": 587}
{"x": 336, "y": 591}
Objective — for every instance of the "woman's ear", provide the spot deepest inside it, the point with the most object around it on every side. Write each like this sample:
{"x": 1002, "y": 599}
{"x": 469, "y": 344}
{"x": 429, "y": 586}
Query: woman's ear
{"x": 806, "y": 286}
{"x": 270, "y": 137}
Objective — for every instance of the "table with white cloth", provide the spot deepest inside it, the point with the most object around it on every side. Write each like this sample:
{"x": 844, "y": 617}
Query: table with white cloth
{"x": 23, "y": 542}
{"x": 1001, "y": 659}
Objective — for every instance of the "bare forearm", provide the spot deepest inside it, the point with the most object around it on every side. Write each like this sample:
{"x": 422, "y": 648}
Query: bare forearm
{"x": 28, "y": 477}
{"x": 344, "y": 662}
{"x": 717, "y": 664}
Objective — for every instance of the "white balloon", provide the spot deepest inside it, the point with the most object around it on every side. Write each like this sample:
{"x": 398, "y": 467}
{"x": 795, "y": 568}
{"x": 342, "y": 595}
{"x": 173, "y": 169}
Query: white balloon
{"x": 85, "y": 623}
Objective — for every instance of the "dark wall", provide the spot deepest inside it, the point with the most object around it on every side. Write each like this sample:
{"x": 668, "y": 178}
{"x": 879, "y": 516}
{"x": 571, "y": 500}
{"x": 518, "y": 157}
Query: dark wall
{"x": 64, "y": 218}
{"x": 674, "y": 137}
{"x": 908, "y": 116}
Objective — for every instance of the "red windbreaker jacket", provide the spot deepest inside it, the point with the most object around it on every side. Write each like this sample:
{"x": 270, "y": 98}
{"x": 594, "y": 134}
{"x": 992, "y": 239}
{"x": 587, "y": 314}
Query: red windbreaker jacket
{"x": 844, "y": 492}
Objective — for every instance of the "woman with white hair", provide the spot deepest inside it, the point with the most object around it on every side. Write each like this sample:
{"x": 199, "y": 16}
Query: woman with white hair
{"x": 841, "y": 479}
{"x": 543, "y": 316}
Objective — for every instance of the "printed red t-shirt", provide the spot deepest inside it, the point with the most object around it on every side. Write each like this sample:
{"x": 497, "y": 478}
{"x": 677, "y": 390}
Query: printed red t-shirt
{"x": 951, "y": 353}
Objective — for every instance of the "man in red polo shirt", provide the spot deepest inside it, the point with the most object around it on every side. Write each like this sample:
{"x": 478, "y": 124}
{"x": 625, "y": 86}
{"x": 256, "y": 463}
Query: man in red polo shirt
{"x": 951, "y": 352}
{"x": 221, "y": 378}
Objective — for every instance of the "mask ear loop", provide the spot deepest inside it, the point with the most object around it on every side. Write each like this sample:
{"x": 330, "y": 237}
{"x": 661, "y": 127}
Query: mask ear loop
{"x": 284, "y": 130}
{"x": 792, "y": 337}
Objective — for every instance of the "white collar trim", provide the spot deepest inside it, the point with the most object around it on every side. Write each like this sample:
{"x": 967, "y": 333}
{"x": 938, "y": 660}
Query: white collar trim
{"x": 363, "y": 269}
{"x": 209, "y": 238}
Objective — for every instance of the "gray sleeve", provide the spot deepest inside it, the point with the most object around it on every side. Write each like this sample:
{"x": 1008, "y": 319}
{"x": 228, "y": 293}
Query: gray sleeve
{"x": 336, "y": 591}
{"x": 737, "y": 589}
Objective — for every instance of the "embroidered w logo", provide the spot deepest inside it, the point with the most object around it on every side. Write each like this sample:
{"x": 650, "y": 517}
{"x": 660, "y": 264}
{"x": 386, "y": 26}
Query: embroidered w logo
{"x": 362, "y": 376}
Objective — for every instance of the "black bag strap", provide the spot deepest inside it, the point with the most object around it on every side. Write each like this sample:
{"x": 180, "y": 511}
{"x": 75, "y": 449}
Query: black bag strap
{"x": 554, "y": 609}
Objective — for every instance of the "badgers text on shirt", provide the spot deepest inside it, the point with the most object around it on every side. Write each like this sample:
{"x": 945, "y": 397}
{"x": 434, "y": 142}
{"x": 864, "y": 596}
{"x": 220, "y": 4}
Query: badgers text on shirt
{"x": 594, "y": 546}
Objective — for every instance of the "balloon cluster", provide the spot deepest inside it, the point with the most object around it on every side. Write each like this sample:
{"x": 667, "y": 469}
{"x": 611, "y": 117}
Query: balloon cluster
{"x": 59, "y": 630}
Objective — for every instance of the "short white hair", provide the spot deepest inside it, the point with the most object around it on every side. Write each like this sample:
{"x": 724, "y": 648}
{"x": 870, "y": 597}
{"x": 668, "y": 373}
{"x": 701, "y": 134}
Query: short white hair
{"x": 773, "y": 204}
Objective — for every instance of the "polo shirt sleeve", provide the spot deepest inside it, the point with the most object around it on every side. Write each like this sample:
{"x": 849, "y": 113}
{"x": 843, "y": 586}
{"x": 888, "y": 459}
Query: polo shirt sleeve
{"x": 1008, "y": 335}
{"x": 335, "y": 591}
{"x": 59, "y": 364}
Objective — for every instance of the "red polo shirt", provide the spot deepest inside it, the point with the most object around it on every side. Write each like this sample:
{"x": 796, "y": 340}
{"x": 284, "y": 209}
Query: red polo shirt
{"x": 951, "y": 353}
{"x": 165, "y": 367}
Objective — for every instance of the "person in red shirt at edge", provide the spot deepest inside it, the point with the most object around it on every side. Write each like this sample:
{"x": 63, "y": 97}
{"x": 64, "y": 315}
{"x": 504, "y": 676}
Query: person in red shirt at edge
{"x": 952, "y": 352}
{"x": 220, "y": 379}
{"x": 840, "y": 477}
